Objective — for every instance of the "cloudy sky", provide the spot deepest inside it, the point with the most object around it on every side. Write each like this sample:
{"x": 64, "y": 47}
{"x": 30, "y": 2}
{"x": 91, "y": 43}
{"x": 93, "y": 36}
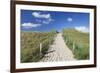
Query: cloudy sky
{"x": 33, "y": 20}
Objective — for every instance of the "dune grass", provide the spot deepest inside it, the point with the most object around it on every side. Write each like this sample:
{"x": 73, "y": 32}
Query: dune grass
{"x": 79, "y": 40}
{"x": 30, "y": 45}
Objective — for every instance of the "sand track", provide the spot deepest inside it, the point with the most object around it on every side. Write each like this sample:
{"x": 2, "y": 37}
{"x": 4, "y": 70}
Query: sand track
{"x": 58, "y": 51}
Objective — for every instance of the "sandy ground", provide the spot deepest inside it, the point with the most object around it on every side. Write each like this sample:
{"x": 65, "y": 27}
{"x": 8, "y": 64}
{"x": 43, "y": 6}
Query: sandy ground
{"x": 58, "y": 51}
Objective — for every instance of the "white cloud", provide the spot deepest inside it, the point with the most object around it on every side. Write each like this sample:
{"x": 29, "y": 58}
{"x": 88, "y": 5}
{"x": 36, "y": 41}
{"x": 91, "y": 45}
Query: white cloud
{"x": 30, "y": 25}
{"x": 82, "y": 28}
{"x": 43, "y": 18}
{"x": 46, "y": 22}
{"x": 50, "y": 19}
{"x": 39, "y": 15}
{"x": 69, "y": 19}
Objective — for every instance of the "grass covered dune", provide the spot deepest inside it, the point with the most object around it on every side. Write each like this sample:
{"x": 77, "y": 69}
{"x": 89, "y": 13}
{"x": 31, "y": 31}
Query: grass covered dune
{"x": 78, "y": 42}
{"x": 30, "y": 45}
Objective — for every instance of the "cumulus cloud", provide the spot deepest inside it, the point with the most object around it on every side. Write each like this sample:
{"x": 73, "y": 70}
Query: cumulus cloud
{"x": 30, "y": 25}
{"x": 39, "y": 15}
{"x": 82, "y": 28}
{"x": 50, "y": 19}
{"x": 69, "y": 19}
{"x": 44, "y": 18}
{"x": 47, "y": 21}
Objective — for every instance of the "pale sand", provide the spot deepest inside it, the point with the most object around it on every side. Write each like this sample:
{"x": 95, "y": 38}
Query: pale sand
{"x": 58, "y": 51}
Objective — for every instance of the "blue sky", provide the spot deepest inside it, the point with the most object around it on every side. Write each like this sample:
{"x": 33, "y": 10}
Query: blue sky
{"x": 33, "y": 20}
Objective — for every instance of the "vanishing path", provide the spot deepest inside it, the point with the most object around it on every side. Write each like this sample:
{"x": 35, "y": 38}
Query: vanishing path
{"x": 58, "y": 51}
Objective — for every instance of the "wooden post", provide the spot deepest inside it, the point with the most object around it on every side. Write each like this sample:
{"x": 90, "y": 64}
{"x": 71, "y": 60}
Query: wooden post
{"x": 40, "y": 49}
{"x": 73, "y": 46}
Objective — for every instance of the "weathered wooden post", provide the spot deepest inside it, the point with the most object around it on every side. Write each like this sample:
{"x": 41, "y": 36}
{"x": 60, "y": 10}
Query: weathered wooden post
{"x": 40, "y": 49}
{"x": 73, "y": 46}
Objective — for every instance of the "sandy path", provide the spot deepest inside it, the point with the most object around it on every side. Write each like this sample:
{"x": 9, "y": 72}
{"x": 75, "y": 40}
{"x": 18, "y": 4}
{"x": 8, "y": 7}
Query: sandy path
{"x": 58, "y": 51}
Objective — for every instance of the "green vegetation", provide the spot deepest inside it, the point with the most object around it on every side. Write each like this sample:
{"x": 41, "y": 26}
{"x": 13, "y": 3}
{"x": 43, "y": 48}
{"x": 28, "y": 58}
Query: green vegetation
{"x": 30, "y": 45}
{"x": 78, "y": 42}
